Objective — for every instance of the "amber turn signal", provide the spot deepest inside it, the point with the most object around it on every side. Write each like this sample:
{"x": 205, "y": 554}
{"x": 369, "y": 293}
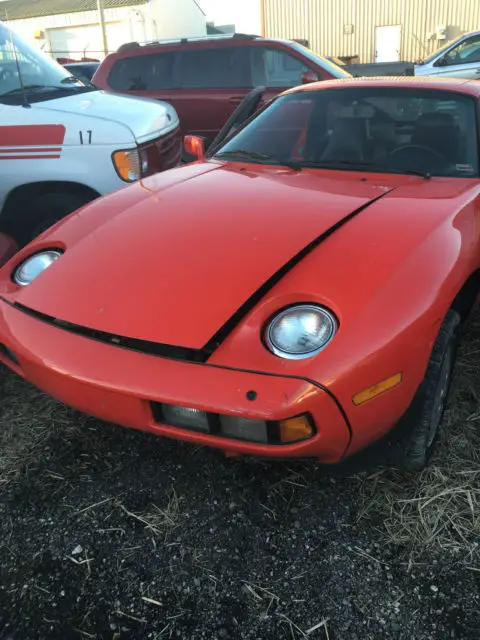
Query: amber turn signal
{"x": 295, "y": 429}
{"x": 127, "y": 164}
{"x": 377, "y": 389}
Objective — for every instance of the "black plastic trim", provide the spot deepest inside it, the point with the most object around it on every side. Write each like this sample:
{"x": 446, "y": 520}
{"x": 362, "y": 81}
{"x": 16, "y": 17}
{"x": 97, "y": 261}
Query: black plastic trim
{"x": 171, "y": 352}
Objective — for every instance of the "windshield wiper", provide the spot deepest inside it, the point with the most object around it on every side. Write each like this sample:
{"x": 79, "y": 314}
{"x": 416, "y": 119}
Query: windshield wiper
{"x": 70, "y": 80}
{"x": 361, "y": 165}
{"x": 39, "y": 87}
{"x": 262, "y": 157}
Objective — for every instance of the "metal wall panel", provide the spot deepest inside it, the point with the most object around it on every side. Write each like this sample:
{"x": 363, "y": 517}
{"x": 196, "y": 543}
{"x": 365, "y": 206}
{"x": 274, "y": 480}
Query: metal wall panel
{"x": 322, "y": 23}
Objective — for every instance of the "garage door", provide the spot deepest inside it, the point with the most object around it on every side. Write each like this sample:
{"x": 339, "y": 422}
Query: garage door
{"x": 77, "y": 42}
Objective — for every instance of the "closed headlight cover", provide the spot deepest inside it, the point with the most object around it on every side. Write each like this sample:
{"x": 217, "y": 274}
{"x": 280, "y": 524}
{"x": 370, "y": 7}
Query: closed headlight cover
{"x": 301, "y": 331}
{"x": 33, "y": 266}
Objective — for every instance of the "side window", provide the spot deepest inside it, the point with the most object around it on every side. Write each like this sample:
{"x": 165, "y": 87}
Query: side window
{"x": 466, "y": 52}
{"x": 276, "y": 68}
{"x": 143, "y": 73}
{"x": 225, "y": 68}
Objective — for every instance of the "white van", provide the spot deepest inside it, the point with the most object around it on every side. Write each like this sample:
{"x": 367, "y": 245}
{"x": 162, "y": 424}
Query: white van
{"x": 63, "y": 142}
{"x": 459, "y": 58}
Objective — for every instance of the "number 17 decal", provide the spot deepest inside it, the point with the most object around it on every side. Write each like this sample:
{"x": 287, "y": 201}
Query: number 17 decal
{"x": 85, "y": 137}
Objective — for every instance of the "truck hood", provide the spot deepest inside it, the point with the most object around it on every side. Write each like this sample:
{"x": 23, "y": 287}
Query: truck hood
{"x": 175, "y": 266}
{"x": 146, "y": 119}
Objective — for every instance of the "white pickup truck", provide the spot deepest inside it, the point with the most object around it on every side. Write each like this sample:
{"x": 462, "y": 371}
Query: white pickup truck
{"x": 63, "y": 142}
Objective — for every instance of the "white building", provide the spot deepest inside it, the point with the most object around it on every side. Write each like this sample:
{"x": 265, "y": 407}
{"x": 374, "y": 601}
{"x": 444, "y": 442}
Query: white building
{"x": 71, "y": 28}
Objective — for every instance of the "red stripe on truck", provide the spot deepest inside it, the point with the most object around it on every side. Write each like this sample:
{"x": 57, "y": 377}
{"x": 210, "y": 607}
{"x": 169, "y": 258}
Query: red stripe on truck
{"x": 37, "y": 157}
{"x": 4, "y": 150}
{"x": 35, "y": 134}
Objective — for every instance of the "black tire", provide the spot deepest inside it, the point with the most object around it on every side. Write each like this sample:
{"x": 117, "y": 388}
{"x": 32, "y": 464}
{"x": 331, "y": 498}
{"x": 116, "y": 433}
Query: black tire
{"x": 44, "y": 211}
{"x": 429, "y": 405}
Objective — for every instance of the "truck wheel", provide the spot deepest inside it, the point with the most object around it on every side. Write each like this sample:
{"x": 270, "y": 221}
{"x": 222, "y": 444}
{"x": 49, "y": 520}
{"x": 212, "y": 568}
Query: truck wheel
{"x": 429, "y": 404}
{"x": 43, "y": 212}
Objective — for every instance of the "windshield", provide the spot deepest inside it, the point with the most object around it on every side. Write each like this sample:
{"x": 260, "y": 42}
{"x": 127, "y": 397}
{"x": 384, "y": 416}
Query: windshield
{"x": 433, "y": 56}
{"x": 42, "y": 77}
{"x": 381, "y": 129}
{"x": 328, "y": 65}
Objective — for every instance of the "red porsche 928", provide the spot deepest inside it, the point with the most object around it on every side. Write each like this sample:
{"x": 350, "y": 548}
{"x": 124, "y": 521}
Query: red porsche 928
{"x": 299, "y": 291}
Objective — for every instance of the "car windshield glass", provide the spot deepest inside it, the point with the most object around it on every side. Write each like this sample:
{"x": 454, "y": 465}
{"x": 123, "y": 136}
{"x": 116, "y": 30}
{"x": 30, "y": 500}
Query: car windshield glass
{"x": 438, "y": 52}
{"x": 39, "y": 75}
{"x": 408, "y": 130}
{"x": 328, "y": 65}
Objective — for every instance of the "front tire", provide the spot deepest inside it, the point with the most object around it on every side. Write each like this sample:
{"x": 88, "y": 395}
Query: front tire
{"x": 429, "y": 405}
{"x": 43, "y": 212}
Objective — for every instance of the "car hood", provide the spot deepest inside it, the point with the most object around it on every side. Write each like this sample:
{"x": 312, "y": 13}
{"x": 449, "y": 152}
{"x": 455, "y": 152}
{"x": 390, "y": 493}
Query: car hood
{"x": 174, "y": 266}
{"x": 144, "y": 118}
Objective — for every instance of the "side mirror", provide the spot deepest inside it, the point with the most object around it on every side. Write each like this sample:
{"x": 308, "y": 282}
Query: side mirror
{"x": 195, "y": 146}
{"x": 441, "y": 62}
{"x": 309, "y": 76}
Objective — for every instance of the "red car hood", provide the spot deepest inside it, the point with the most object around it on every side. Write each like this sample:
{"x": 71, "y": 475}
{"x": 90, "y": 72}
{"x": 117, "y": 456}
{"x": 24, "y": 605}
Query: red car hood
{"x": 175, "y": 266}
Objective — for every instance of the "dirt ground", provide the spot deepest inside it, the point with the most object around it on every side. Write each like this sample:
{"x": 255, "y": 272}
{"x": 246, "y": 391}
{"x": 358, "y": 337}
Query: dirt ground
{"x": 116, "y": 535}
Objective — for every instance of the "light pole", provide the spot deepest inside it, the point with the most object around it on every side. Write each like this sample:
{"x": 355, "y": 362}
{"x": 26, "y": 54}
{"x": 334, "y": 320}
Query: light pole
{"x": 102, "y": 26}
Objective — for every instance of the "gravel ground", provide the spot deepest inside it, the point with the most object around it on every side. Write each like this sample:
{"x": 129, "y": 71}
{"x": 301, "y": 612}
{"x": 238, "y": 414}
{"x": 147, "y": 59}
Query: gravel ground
{"x": 112, "y": 534}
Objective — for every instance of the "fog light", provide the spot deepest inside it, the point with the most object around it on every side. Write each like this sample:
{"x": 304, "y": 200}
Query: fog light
{"x": 295, "y": 429}
{"x": 244, "y": 429}
{"x": 185, "y": 417}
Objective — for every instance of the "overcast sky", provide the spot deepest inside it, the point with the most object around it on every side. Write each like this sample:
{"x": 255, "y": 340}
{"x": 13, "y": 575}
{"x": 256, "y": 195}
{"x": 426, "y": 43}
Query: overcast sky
{"x": 245, "y": 14}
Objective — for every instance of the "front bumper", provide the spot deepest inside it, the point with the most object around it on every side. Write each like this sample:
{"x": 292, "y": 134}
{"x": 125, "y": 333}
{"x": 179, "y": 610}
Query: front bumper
{"x": 118, "y": 385}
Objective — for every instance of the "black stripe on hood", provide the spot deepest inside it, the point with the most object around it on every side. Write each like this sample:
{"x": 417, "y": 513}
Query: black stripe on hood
{"x": 267, "y": 286}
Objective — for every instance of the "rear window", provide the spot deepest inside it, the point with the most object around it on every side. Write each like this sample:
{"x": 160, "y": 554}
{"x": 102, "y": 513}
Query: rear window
{"x": 149, "y": 72}
{"x": 226, "y": 68}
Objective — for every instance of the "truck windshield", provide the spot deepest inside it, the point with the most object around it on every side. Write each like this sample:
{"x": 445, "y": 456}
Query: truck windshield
{"x": 27, "y": 74}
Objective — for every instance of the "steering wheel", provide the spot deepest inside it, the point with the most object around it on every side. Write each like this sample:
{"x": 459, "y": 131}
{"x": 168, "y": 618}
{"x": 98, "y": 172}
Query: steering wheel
{"x": 242, "y": 113}
{"x": 419, "y": 155}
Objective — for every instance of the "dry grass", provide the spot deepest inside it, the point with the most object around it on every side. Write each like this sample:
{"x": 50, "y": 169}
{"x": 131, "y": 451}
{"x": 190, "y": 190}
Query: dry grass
{"x": 156, "y": 520}
{"x": 440, "y": 507}
{"x": 28, "y": 419}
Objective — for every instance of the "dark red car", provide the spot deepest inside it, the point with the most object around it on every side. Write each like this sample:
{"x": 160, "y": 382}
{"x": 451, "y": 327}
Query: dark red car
{"x": 206, "y": 79}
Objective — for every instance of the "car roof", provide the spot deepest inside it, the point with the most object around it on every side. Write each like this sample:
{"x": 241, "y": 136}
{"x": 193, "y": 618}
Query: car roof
{"x": 87, "y": 63}
{"x": 200, "y": 41}
{"x": 460, "y": 85}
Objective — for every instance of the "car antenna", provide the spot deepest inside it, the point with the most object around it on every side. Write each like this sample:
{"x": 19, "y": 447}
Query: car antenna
{"x": 26, "y": 103}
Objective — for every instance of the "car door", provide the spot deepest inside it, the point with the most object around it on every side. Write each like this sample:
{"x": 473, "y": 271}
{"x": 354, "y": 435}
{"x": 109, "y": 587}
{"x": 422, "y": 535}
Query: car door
{"x": 210, "y": 84}
{"x": 462, "y": 61}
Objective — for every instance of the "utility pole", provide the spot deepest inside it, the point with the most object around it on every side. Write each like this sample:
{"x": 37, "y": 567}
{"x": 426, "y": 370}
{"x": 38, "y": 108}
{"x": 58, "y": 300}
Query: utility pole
{"x": 102, "y": 26}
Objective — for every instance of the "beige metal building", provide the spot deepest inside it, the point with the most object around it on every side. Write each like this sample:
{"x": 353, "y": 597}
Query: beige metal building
{"x": 371, "y": 30}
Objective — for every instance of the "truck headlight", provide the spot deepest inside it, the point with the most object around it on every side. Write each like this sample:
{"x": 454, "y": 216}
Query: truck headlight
{"x": 128, "y": 165}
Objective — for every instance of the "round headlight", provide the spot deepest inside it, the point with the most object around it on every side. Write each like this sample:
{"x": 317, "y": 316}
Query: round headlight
{"x": 300, "y": 332}
{"x": 33, "y": 267}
